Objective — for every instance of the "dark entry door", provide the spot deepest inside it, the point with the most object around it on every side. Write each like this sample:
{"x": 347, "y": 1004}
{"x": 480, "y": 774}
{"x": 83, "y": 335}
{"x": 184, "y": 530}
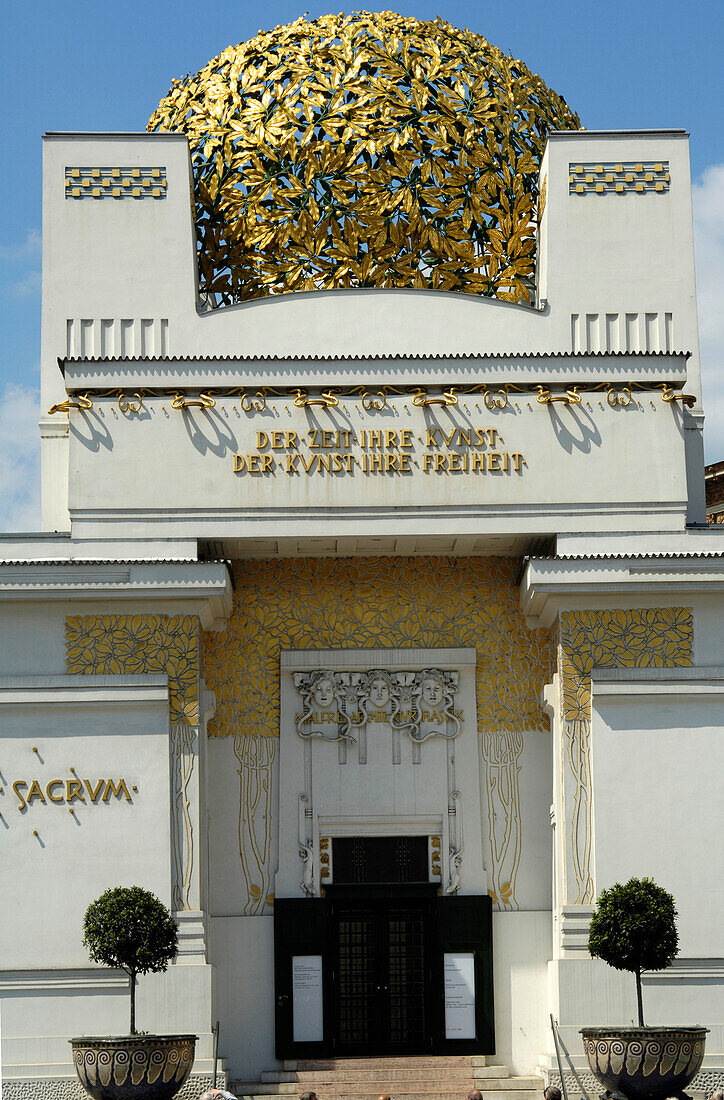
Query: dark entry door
{"x": 382, "y": 972}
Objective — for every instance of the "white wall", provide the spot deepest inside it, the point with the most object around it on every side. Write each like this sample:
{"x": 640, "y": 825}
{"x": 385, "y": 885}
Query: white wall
{"x": 242, "y": 950}
{"x": 657, "y": 764}
{"x": 521, "y": 950}
{"x": 58, "y": 860}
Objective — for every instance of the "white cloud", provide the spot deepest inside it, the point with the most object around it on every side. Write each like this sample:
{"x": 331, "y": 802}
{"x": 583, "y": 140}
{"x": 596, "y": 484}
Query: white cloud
{"x": 27, "y": 285}
{"x": 21, "y": 275}
{"x": 29, "y": 249}
{"x": 19, "y": 459}
{"x": 708, "y": 199}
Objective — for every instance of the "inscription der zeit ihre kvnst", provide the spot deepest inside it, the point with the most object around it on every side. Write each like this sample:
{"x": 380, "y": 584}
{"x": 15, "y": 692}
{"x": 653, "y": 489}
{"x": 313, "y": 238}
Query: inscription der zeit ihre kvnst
{"x": 380, "y": 451}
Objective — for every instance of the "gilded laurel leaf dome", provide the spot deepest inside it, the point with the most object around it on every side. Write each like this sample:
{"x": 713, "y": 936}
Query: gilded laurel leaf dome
{"x": 369, "y": 150}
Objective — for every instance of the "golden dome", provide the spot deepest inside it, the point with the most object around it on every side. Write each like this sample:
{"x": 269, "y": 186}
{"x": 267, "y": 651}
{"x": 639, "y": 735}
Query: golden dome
{"x": 368, "y": 150}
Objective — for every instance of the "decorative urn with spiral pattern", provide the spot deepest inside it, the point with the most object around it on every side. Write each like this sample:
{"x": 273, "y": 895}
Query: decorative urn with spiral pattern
{"x": 130, "y": 929}
{"x": 133, "y": 1067}
{"x": 634, "y": 928}
{"x": 644, "y": 1063}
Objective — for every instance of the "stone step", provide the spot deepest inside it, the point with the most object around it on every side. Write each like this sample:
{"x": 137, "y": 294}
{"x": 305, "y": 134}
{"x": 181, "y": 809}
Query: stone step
{"x": 415, "y": 1082}
{"x": 268, "y": 1088}
{"x": 442, "y": 1061}
{"x": 496, "y": 1077}
{"x": 431, "y": 1092}
{"x": 433, "y": 1082}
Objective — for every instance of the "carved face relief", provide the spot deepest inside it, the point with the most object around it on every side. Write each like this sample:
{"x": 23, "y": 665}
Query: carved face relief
{"x": 323, "y": 692}
{"x": 379, "y": 695}
{"x": 432, "y": 692}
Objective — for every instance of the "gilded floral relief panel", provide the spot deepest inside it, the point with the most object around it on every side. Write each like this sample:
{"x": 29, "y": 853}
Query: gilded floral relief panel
{"x": 380, "y": 603}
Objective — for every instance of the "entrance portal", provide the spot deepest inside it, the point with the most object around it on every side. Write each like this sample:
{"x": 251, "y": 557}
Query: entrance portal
{"x": 382, "y": 964}
{"x": 382, "y": 974}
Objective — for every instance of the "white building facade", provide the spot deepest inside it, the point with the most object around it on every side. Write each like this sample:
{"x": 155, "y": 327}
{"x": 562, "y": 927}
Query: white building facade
{"x": 373, "y": 630}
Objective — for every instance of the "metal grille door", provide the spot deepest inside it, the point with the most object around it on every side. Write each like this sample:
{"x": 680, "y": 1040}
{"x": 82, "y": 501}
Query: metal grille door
{"x": 381, "y": 977}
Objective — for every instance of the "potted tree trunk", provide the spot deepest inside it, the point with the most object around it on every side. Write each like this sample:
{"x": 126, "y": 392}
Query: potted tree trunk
{"x": 634, "y": 928}
{"x": 130, "y": 929}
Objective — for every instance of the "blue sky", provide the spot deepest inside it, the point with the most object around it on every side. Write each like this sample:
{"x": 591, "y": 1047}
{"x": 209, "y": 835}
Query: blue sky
{"x": 99, "y": 66}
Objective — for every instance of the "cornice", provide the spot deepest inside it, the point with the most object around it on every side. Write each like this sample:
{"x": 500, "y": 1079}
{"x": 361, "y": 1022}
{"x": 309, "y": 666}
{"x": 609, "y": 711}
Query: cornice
{"x": 200, "y": 588}
{"x": 83, "y": 690}
{"x": 550, "y": 585}
{"x": 527, "y": 369}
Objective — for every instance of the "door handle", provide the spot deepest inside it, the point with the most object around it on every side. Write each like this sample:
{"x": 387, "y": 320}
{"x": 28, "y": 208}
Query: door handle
{"x": 281, "y": 998}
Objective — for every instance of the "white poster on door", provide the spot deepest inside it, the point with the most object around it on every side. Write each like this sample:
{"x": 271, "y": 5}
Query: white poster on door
{"x": 459, "y": 995}
{"x": 307, "y": 1007}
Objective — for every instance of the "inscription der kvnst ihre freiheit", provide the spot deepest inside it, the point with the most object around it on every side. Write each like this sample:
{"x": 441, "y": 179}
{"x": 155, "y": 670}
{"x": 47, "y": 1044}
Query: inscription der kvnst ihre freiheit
{"x": 380, "y": 451}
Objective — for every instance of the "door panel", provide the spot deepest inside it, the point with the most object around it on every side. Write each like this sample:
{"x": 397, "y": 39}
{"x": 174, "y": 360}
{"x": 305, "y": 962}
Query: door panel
{"x": 357, "y": 977}
{"x": 382, "y": 972}
{"x": 407, "y": 965}
{"x": 301, "y": 927}
{"x": 464, "y": 923}
{"x": 382, "y": 952}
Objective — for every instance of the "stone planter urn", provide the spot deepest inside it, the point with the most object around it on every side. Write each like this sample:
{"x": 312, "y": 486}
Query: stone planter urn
{"x": 133, "y": 1067}
{"x": 644, "y": 1063}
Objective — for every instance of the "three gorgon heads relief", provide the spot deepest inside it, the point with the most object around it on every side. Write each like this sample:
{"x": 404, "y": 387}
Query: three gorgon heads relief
{"x": 336, "y": 704}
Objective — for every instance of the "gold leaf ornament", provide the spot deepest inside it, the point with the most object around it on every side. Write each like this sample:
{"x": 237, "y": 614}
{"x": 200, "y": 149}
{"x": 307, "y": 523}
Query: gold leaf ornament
{"x": 424, "y": 137}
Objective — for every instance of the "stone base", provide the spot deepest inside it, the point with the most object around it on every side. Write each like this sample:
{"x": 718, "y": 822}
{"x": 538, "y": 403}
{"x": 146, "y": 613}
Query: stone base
{"x": 585, "y": 1084}
{"x": 70, "y": 1088}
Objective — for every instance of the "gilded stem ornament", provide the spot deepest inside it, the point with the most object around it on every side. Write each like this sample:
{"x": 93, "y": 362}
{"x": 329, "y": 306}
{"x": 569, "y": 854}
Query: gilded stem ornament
{"x": 636, "y": 638}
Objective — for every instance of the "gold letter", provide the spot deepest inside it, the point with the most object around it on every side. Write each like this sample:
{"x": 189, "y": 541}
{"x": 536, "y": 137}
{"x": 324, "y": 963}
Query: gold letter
{"x": 277, "y": 439}
{"x": 406, "y": 437}
{"x": 518, "y": 461}
{"x": 262, "y": 440}
{"x": 478, "y": 461}
{"x": 35, "y": 792}
{"x": 239, "y": 464}
{"x": 16, "y": 787}
{"x": 292, "y": 461}
{"x": 73, "y": 790}
{"x": 93, "y": 792}
{"x": 267, "y": 463}
{"x": 494, "y": 461}
{"x": 49, "y": 790}
{"x": 117, "y": 789}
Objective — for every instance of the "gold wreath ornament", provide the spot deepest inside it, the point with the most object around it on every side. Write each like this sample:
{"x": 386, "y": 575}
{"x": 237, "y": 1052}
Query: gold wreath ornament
{"x": 368, "y": 150}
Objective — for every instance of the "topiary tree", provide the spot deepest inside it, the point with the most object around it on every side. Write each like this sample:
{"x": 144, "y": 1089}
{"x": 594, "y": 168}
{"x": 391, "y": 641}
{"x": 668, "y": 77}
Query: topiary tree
{"x": 130, "y": 929}
{"x": 634, "y": 928}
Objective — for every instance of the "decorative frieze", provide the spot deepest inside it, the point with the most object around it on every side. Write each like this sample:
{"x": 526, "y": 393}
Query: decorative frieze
{"x": 618, "y": 178}
{"x": 338, "y": 706}
{"x": 115, "y": 183}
